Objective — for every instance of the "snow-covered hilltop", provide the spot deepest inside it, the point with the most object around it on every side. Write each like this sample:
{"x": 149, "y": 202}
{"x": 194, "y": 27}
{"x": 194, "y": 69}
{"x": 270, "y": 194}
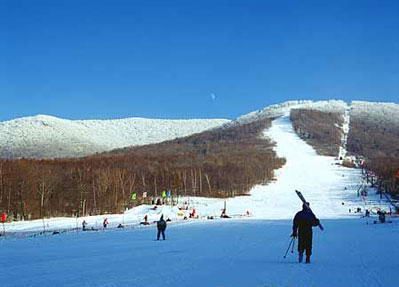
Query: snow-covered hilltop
{"x": 384, "y": 113}
{"x": 284, "y": 108}
{"x": 44, "y": 136}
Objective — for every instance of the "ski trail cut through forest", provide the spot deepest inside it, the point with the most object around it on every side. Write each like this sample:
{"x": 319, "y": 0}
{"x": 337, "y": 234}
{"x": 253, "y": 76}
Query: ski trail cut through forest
{"x": 345, "y": 131}
{"x": 330, "y": 188}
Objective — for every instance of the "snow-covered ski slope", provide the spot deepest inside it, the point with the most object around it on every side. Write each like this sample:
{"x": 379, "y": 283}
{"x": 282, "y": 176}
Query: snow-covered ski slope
{"x": 331, "y": 188}
{"x": 222, "y": 252}
{"x": 45, "y": 136}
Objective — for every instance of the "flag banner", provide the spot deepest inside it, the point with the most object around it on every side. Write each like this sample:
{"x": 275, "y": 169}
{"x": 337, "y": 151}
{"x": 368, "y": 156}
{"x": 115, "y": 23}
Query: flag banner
{"x": 3, "y": 217}
{"x": 134, "y": 196}
{"x": 169, "y": 193}
{"x": 163, "y": 193}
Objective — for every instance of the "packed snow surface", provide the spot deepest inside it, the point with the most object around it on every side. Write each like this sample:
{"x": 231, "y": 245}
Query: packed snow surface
{"x": 237, "y": 253}
{"x": 45, "y": 136}
{"x": 246, "y": 250}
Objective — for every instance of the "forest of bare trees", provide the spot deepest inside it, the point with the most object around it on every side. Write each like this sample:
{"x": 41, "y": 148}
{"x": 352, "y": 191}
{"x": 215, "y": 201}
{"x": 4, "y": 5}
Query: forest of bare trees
{"x": 222, "y": 162}
{"x": 319, "y": 129}
{"x": 378, "y": 142}
{"x": 387, "y": 172}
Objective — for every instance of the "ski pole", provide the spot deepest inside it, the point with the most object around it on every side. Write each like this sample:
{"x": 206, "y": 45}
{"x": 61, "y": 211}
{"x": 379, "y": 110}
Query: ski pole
{"x": 293, "y": 245}
{"x": 289, "y": 246}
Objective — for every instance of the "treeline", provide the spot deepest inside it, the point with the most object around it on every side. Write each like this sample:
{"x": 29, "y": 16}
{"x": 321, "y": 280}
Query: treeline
{"x": 373, "y": 139}
{"x": 222, "y": 162}
{"x": 378, "y": 142}
{"x": 319, "y": 129}
{"x": 387, "y": 172}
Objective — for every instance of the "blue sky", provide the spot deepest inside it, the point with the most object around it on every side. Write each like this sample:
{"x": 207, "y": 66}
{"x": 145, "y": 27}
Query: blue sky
{"x": 82, "y": 59}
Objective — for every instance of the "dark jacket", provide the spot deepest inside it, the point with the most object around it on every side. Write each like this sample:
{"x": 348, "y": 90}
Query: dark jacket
{"x": 304, "y": 220}
{"x": 161, "y": 224}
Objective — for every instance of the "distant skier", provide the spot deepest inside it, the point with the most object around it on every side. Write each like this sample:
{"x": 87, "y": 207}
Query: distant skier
{"x": 84, "y": 224}
{"x": 145, "y": 222}
{"x": 224, "y": 214}
{"x": 303, "y": 222}
{"x": 381, "y": 216}
{"x": 105, "y": 222}
{"x": 161, "y": 225}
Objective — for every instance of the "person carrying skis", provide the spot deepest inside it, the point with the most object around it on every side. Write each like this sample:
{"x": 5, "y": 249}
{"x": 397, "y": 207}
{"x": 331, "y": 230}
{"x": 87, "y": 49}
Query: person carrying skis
{"x": 161, "y": 226}
{"x": 303, "y": 222}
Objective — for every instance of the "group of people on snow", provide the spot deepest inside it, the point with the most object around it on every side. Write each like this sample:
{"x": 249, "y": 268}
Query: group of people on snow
{"x": 302, "y": 226}
{"x": 161, "y": 225}
{"x": 84, "y": 225}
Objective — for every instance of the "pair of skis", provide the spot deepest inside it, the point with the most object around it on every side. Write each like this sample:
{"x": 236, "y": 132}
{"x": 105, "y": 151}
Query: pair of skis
{"x": 307, "y": 205}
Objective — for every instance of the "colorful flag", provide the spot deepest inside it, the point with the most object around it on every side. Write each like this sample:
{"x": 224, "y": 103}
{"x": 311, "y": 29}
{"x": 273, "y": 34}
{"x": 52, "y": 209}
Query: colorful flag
{"x": 3, "y": 217}
{"x": 164, "y": 193}
{"x": 133, "y": 196}
{"x": 169, "y": 193}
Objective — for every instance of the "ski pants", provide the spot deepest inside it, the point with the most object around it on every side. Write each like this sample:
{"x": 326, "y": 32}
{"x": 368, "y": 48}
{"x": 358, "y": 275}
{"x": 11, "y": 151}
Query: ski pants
{"x": 161, "y": 231}
{"x": 305, "y": 242}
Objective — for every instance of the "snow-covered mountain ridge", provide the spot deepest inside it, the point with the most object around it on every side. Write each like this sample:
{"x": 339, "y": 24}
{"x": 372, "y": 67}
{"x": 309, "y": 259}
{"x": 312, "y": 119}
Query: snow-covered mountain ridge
{"x": 45, "y": 136}
{"x": 284, "y": 108}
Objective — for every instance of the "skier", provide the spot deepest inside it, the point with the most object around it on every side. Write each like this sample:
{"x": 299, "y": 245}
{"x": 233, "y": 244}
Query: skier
{"x": 145, "y": 222}
{"x": 161, "y": 225}
{"x": 303, "y": 222}
{"x": 224, "y": 214}
{"x": 381, "y": 216}
{"x": 105, "y": 222}
{"x": 84, "y": 224}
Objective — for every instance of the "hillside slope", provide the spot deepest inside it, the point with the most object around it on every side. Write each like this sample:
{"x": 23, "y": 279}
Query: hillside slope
{"x": 325, "y": 184}
{"x": 374, "y": 130}
{"x": 48, "y": 137}
{"x": 224, "y": 252}
{"x": 217, "y": 163}
{"x": 223, "y": 162}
